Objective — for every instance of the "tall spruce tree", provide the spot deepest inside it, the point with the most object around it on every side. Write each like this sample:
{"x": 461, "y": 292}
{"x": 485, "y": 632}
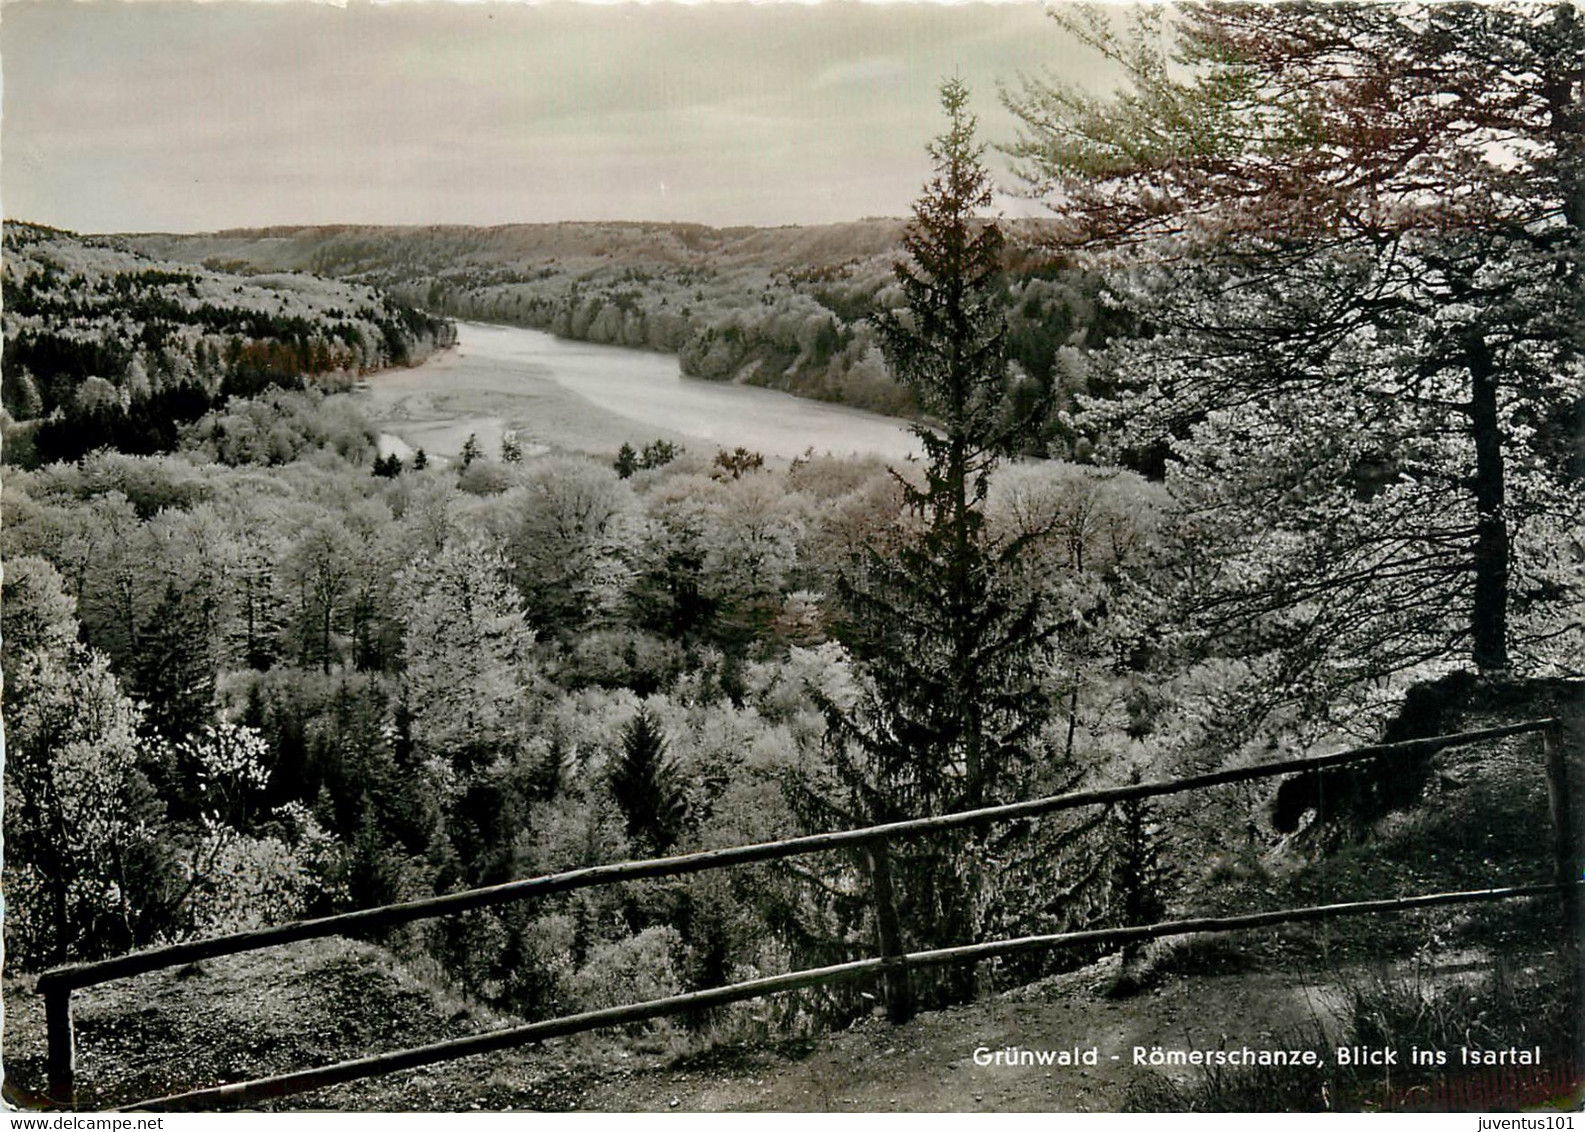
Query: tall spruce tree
{"x": 175, "y": 668}
{"x": 950, "y": 651}
{"x": 644, "y": 784}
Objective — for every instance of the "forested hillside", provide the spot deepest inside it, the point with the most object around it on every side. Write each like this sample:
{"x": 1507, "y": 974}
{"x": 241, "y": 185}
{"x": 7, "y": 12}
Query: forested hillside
{"x": 260, "y": 678}
{"x": 786, "y": 308}
{"x": 105, "y": 347}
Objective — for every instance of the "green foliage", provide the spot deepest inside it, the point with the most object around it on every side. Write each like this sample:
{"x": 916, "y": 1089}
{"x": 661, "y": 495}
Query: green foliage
{"x": 343, "y": 667}
{"x": 467, "y": 673}
{"x": 538, "y": 977}
{"x": 175, "y": 669}
{"x": 567, "y": 530}
{"x": 1140, "y": 878}
{"x": 659, "y": 453}
{"x": 90, "y": 869}
{"x": 229, "y": 769}
{"x": 279, "y": 426}
{"x": 636, "y": 969}
{"x": 953, "y": 654}
{"x": 35, "y": 614}
{"x": 621, "y": 658}
{"x": 369, "y": 688}
{"x": 366, "y": 641}
{"x": 318, "y": 573}
{"x": 241, "y": 881}
{"x": 1402, "y": 1012}
{"x": 786, "y": 308}
{"x": 738, "y": 462}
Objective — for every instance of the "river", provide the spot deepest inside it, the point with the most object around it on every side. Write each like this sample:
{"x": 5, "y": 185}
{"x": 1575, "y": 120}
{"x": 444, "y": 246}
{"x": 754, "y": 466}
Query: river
{"x": 556, "y": 394}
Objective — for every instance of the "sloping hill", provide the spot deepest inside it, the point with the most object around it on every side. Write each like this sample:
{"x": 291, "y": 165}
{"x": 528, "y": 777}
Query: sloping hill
{"x": 350, "y": 249}
{"x": 236, "y": 1017}
{"x": 315, "y": 1004}
{"x": 105, "y": 346}
{"x": 312, "y": 1004}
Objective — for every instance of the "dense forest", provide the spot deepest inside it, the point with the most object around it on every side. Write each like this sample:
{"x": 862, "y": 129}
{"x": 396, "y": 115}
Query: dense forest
{"x": 106, "y": 348}
{"x": 1319, "y": 428}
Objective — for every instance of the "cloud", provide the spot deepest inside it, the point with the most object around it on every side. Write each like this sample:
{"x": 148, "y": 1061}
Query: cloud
{"x": 877, "y": 71}
{"x": 196, "y": 116}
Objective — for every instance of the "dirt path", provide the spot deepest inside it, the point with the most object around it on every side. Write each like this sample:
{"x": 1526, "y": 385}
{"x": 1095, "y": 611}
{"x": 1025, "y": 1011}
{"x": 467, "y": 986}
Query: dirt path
{"x": 930, "y": 1064}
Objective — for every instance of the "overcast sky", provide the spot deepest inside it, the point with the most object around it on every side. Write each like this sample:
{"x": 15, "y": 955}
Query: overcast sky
{"x": 183, "y": 116}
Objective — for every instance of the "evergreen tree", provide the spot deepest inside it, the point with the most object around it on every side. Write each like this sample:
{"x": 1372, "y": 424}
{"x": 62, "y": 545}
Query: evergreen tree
{"x": 554, "y": 766}
{"x": 736, "y": 463}
{"x": 952, "y": 653}
{"x": 254, "y": 636}
{"x": 1139, "y": 875}
{"x": 658, "y": 453}
{"x": 644, "y": 784}
{"x": 175, "y": 667}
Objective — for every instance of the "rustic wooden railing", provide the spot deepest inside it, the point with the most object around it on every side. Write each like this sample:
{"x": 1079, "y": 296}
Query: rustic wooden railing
{"x": 56, "y": 986}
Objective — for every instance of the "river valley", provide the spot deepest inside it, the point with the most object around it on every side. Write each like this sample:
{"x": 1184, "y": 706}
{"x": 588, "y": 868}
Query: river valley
{"x": 576, "y": 396}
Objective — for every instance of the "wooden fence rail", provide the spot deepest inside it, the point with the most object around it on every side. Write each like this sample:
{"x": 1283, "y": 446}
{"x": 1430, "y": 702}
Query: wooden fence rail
{"x": 75, "y": 976}
{"x": 57, "y": 985}
{"x": 265, "y": 1088}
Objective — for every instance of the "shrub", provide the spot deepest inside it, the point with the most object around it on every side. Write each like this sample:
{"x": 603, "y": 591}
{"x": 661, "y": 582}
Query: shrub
{"x": 636, "y": 969}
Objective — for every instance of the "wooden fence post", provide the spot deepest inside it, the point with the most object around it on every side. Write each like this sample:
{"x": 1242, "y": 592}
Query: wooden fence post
{"x": 1567, "y": 868}
{"x": 60, "y": 1056}
{"x": 899, "y": 994}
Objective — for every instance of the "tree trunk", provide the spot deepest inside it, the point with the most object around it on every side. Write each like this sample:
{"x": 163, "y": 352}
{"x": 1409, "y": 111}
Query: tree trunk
{"x": 1489, "y": 616}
